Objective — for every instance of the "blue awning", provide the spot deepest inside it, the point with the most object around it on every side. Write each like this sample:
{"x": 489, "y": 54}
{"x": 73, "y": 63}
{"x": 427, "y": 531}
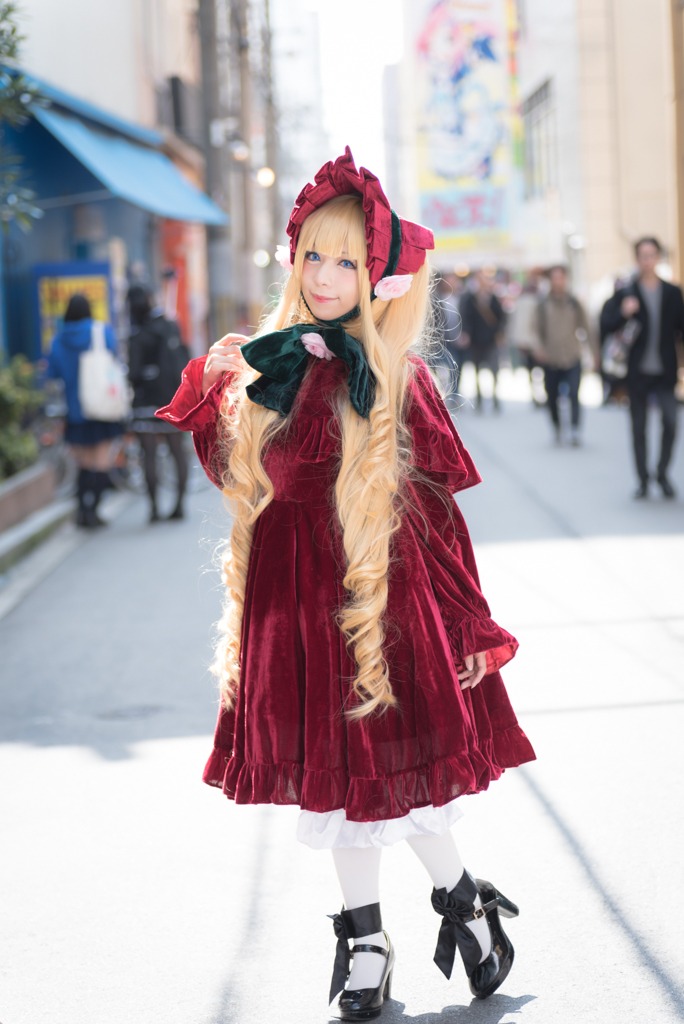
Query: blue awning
{"x": 133, "y": 172}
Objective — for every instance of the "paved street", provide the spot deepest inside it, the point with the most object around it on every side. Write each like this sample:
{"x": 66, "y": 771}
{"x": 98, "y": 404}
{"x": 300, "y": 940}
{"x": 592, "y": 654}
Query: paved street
{"x": 132, "y": 894}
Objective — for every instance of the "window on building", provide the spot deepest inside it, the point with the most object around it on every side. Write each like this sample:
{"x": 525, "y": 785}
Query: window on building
{"x": 539, "y": 128}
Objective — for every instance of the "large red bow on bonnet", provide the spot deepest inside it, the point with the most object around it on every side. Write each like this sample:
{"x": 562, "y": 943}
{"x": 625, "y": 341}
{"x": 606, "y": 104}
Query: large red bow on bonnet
{"x": 395, "y": 246}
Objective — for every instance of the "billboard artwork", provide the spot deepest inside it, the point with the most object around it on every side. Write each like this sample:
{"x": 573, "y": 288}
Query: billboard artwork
{"x": 467, "y": 121}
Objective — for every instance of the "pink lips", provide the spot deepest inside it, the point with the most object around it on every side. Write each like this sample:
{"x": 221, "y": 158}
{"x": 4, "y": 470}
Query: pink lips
{"x": 321, "y": 298}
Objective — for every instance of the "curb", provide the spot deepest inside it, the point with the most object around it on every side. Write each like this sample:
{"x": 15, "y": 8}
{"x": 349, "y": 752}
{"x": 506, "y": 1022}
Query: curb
{"x": 18, "y": 541}
{"x": 31, "y": 550}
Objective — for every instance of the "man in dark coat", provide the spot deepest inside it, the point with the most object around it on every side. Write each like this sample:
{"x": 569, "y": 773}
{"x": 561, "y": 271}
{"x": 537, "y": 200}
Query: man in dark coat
{"x": 652, "y": 369}
{"x": 483, "y": 321}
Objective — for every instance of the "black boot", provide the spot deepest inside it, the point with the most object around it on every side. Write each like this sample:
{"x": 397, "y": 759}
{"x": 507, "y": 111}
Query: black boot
{"x": 458, "y": 908}
{"x": 363, "y": 1003}
{"x": 82, "y": 488}
{"x": 100, "y": 482}
{"x": 88, "y": 491}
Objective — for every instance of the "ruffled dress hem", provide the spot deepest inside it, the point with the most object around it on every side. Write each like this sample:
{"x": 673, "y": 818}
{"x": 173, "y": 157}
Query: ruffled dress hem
{"x": 368, "y": 799}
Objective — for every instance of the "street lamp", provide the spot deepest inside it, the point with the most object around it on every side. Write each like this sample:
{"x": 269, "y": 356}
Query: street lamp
{"x": 265, "y": 177}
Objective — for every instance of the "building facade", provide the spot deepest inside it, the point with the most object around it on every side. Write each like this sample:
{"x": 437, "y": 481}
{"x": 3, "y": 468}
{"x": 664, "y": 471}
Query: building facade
{"x": 534, "y": 133}
{"x": 113, "y": 153}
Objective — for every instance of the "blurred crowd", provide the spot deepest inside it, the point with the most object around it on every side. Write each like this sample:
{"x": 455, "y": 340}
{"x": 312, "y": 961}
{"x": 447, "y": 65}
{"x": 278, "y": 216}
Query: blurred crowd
{"x": 634, "y": 341}
{"x": 532, "y": 323}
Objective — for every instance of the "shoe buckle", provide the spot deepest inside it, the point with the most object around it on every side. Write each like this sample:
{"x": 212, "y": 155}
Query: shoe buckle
{"x": 480, "y": 912}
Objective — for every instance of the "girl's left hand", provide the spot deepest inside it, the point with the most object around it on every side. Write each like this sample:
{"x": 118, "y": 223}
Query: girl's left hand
{"x": 474, "y": 671}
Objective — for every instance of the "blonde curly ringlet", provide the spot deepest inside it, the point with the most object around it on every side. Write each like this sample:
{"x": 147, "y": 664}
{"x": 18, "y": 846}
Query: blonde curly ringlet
{"x": 373, "y": 463}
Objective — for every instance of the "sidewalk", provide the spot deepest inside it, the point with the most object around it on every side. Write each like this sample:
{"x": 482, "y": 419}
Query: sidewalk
{"x": 132, "y": 893}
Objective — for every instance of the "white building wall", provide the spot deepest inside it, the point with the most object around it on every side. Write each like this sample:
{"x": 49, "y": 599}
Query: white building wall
{"x": 548, "y": 52}
{"x": 112, "y": 54}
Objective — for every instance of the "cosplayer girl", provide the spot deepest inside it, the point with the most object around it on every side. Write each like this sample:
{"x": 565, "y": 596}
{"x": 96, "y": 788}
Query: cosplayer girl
{"x": 359, "y": 664}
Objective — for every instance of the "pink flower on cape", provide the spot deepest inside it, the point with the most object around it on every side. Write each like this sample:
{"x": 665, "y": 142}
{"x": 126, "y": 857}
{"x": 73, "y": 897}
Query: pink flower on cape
{"x": 393, "y": 287}
{"x": 315, "y": 346}
{"x": 282, "y": 256}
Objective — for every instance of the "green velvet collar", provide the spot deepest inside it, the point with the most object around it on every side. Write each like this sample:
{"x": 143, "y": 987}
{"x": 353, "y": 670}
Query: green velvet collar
{"x": 281, "y": 359}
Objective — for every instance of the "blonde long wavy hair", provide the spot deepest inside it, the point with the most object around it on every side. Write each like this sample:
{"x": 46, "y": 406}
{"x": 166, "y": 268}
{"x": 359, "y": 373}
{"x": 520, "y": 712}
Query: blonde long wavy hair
{"x": 374, "y": 459}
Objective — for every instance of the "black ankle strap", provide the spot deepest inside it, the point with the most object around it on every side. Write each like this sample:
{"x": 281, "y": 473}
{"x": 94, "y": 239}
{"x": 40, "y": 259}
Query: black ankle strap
{"x": 362, "y": 920}
{"x": 365, "y": 948}
{"x": 348, "y": 924}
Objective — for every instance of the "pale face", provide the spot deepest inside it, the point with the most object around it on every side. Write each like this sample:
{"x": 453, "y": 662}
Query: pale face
{"x": 330, "y": 284}
{"x": 647, "y": 258}
{"x": 558, "y": 281}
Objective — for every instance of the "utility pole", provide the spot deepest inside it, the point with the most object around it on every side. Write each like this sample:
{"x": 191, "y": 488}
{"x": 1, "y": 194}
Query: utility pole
{"x": 272, "y": 156}
{"x": 240, "y": 28}
{"x": 219, "y": 255}
{"x": 677, "y": 23}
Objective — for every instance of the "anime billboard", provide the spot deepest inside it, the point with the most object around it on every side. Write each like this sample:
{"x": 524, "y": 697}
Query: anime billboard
{"x": 468, "y": 140}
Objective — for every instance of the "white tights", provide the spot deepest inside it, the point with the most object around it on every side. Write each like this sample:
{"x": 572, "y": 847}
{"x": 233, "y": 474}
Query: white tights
{"x": 358, "y": 871}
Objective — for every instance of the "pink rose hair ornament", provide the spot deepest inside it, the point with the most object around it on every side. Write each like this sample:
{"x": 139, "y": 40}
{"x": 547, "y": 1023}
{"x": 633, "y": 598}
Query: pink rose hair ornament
{"x": 396, "y": 247}
{"x": 282, "y": 256}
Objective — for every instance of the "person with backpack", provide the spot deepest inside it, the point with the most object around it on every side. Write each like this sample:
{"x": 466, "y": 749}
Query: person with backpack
{"x": 91, "y": 433}
{"x": 562, "y": 329}
{"x": 156, "y": 360}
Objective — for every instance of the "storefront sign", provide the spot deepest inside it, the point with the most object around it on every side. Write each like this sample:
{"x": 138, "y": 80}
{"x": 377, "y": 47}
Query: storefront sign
{"x": 55, "y": 283}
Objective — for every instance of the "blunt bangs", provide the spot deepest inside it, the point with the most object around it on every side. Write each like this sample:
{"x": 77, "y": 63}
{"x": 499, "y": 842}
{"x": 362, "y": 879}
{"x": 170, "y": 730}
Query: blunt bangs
{"x": 336, "y": 228}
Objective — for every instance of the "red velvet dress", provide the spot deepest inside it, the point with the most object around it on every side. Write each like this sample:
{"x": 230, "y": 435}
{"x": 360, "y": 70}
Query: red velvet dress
{"x": 287, "y": 741}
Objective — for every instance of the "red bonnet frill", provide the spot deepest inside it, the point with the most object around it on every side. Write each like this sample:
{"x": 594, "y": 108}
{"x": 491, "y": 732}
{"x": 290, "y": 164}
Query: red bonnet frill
{"x": 339, "y": 178}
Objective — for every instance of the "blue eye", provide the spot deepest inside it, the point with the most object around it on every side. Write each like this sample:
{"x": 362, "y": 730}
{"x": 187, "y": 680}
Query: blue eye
{"x": 348, "y": 264}
{"x": 312, "y": 257}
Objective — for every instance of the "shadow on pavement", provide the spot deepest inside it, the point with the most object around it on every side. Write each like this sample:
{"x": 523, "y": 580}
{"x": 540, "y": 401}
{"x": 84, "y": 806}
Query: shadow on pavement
{"x": 535, "y": 490}
{"x": 669, "y": 985}
{"x": 490, "y": 1011}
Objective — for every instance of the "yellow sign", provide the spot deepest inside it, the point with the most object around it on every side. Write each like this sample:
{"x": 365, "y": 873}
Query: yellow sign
{"x": 54, "y": 291}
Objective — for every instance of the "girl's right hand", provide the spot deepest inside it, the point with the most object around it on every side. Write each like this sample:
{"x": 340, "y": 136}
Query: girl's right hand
{"x": 224, "y": 357}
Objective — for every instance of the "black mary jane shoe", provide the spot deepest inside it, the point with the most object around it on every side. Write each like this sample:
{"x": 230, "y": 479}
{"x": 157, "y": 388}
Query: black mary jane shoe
{"x": 457, "y": 907}
{"x": 493, "y": 971}
{"x": 363, "y": 1003}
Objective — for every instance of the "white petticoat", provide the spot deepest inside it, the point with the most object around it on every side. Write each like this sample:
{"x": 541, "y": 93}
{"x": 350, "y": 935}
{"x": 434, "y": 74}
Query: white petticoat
{"x": 331, "y": 829}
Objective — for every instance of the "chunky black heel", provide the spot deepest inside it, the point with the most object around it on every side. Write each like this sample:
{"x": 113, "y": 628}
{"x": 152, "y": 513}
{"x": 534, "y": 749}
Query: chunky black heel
{"x": 363, "y": 1003}
{"x": 458, "y": 908}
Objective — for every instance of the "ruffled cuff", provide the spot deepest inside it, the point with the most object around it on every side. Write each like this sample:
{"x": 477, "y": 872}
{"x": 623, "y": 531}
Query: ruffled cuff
{"x": 437, "y": 448}
{"x": 474, "y": 636}
{"x": 190, "y": 410}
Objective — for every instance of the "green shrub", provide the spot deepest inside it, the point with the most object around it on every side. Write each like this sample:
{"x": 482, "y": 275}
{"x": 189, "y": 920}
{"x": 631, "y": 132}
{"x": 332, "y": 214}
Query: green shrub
{"x": 20, "y": 398}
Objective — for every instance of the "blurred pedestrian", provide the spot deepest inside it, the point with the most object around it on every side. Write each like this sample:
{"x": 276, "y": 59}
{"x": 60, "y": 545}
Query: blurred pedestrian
{"x": 614, "y": 383}
{"x": 658, "y": 308}
{"x": 443, "y": 354}
{"x": 483, "y": 321}
{"x": 563, "y": 331}
{"x": 522, "y": 330}
{"x": 93, "y": 442}
{"x": 355, "y": 637}
{"x": 156, "y": 360}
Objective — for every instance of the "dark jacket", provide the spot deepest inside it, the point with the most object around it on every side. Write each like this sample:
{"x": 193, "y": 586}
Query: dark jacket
{"x": 156, "y": 360}
{"x": 671, "y": 327}
{"x": 483, "y": 323}
{"x": 67, "y": 345}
